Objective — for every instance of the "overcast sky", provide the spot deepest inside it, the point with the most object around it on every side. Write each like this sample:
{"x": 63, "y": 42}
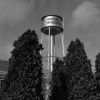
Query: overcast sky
{"x": 81, "y": 18}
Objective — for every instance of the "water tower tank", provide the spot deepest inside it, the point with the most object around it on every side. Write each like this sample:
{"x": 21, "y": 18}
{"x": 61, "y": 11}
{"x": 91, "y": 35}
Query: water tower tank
{"x": 55, "y": 23}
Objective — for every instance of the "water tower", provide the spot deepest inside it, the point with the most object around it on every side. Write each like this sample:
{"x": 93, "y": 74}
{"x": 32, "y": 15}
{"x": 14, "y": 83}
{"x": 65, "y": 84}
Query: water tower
{"x": 52, "y": 26}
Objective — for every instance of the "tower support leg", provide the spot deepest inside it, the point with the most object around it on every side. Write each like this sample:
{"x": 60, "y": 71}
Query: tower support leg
{"x": 41, "y": 40}
{"x": 62, "y": 38}
{"x": 51, "y": 56}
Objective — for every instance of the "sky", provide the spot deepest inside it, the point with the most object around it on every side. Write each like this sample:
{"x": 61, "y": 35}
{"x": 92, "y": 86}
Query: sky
{"x": 81, "y": 20}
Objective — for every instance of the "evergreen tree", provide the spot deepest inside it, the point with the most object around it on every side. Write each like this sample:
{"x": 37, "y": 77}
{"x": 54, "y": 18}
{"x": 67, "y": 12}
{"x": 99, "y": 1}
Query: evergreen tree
{"x": 24, "y": 78}
{"x": 80, "y": 79}
{"x": 97, "y": 73}
{"x": 58, "y": 86}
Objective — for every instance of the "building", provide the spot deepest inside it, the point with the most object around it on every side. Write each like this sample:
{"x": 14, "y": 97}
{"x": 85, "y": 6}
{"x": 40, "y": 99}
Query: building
{"x": 3, "y": 70}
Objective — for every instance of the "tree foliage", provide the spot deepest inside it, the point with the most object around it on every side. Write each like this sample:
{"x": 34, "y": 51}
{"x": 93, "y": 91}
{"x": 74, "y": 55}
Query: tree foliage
{"x": 80, "y": 79}
{"x": 58, "y": 86}
{"x": 24, "y": 78}
{"x": 97, "y": 73}
{"x": 97, "y": 63}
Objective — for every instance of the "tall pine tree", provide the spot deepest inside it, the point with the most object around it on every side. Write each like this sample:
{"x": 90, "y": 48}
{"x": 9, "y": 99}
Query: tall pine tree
{"x": 24, "y": 78}
{"x": 80, "y": 79}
